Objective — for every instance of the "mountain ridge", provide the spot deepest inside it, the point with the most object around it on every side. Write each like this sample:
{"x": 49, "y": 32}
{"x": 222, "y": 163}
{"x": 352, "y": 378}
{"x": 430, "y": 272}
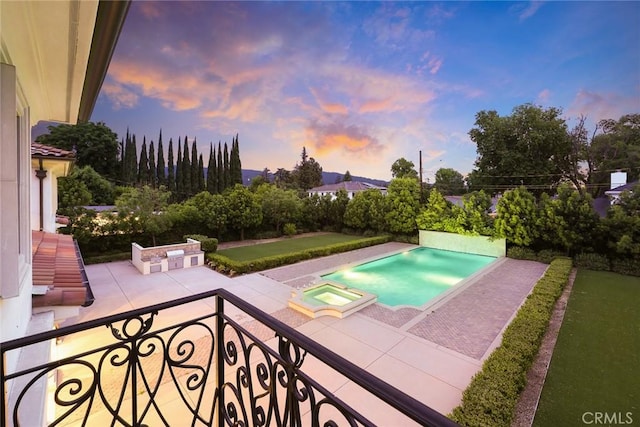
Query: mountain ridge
{"x": 327, "y": 177}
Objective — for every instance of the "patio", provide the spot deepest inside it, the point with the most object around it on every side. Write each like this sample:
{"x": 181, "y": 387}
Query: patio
{"x": 429, "y": 355}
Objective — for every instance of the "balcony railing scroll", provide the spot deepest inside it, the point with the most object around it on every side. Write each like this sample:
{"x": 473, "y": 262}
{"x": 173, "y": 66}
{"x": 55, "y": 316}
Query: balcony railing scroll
{"x": 153, "y": 366}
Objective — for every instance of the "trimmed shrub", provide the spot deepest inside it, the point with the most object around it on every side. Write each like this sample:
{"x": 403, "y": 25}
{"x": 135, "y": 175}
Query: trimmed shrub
{"x": 628, "y": 266}
{"x": 493, "y": 393}
{"x": 289, "y": 229}
{"x": 272, "y": 234}
{"x": 592, "y": 261}
{"x": 548, "y": 255}
{"x": 226, "y": 265}
{"x": 99, "y": 259}
{"x": 519, "y": 252}
{"x": 207, "y": 244}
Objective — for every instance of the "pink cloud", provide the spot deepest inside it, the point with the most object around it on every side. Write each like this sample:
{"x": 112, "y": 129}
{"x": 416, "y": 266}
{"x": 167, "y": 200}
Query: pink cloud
{"x": 543, "y": 96}
{"x": 337, "y": 136}
{"x": 527, "y": 12}
{"x": 150, "y": 10}
{"x": 120, "y": 96}
{"x": 328, "y": 107}
{"x": 597, "y": 106}
{"x": 434, "y": 65}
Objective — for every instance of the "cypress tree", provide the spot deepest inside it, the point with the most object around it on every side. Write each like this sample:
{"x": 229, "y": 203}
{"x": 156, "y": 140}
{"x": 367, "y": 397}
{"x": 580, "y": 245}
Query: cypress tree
{"x": 143, "y": 166}
{"x": 220, "y": 168}
{"x": 133, "y": 161}
{"x": 153, "y": 179}
{"x": 122, "y": 160}
{"x": 126, "y": 172}
{"x": 212, "y": 172}
{"x": 186, "y": 170}
{"x": 200, "y": 174}
{"x": 160, "y": 173}
{"x": 235, "y": 164}
{"x": 195, "y": 169}
{"x": 227, "y": 172}
{"x": 179, "y": 182}
{"x": 171, "y": 174}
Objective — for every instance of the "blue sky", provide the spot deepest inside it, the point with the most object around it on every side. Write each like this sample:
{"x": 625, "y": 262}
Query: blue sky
{"x": 361, "y": 84}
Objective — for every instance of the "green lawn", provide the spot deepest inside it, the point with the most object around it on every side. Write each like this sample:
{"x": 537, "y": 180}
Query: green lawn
{"x": 596, "y": 362}
{"x": 252, "y": 252}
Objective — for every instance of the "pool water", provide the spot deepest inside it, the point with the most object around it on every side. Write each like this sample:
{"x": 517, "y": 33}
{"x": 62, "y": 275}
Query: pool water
{"x": 413, "y": 277}
{"x": 330, "y": 295}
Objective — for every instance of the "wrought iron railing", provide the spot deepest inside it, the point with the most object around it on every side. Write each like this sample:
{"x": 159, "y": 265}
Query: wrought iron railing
{"x": 207, "y": 370}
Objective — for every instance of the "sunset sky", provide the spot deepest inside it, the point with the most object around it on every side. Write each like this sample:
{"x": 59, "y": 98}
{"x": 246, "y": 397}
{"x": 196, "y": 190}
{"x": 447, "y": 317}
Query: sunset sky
{"x": 361, "y": 84}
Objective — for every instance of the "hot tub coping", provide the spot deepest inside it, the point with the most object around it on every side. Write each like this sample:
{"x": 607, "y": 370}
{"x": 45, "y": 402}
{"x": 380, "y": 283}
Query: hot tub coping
{"x": 297, "y": 302}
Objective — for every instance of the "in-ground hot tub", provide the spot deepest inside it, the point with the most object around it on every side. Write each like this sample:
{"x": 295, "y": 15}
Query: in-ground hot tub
{"x": 330, "y": 299}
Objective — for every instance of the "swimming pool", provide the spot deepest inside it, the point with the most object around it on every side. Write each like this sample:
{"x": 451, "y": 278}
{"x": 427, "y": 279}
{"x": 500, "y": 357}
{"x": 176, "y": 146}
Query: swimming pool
{"x": 413, "y": 277}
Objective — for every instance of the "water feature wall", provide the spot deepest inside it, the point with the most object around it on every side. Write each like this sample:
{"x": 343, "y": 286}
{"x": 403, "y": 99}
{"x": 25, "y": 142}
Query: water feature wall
{"x": 481, "y": 245}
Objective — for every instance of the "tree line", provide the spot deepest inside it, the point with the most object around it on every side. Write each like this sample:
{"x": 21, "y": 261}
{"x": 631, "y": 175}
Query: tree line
{"x": 183, "y": 175}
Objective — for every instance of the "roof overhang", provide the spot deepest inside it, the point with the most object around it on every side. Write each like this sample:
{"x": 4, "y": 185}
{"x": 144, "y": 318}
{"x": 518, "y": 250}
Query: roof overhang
{"x": 51, "y": 44}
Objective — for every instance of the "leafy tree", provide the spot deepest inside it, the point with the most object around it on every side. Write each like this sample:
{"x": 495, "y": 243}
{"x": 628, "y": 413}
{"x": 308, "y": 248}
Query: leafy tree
{"x": 212, "y": 172}
{"x": 143, "y": 166}
{"x": 617, "y": 147}
{"x": 366, "y": 211}
{"x": 102, "y": 191}
{"x": 160, "y": 173}
{"x": 72, "y": 192}
{"x": 144, "y": 208}
{"x": 95, "y": 144}
{"x": 278, "y": 206}
{"x": 475, "y": 219}
{"x": 516, "y": 219}
{"x": 623, "y": 224}
{"x": 449, "y": 181}
{"x": 438, "y": 215}
{"x": 244, "y": 210}
{"x": 171, "y": 178}
{"x": 283, "y": 178}
{"x": 256, "y": 182}
{"x": 528, "y": 148}
{"x": 347, "y": 176}
{"x": 310, "y": 217}
{"x": 337, "y": 209}
{"x": 153, "y": 178}
{"x": 569, "y": 220}
{"x": 207, "y": 211}
{"x": 403, "y": 168}
{"x": 403, "y": 198}
{"x": 307, "y": 173}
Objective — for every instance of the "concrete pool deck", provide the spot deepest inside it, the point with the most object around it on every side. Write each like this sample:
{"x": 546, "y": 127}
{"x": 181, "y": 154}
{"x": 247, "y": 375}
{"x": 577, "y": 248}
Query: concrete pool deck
{"x": 430, "y": 355}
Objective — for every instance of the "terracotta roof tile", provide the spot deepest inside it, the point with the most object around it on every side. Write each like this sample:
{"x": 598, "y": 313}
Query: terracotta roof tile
{"x": 58, "y": 265}
{"x": 41, "y": 150}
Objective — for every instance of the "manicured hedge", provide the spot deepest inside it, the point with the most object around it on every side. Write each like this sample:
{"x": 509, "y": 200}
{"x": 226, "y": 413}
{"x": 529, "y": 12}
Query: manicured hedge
{"x": 629, "y": 266}
{"x": 592, "y": 261}
{"x": 493, "y": 393}
{"x": 545, "y": 255}
{"x": 231, "y": 267}
{"x": 207, "y": 244}
{"x": 99, "y": 259}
